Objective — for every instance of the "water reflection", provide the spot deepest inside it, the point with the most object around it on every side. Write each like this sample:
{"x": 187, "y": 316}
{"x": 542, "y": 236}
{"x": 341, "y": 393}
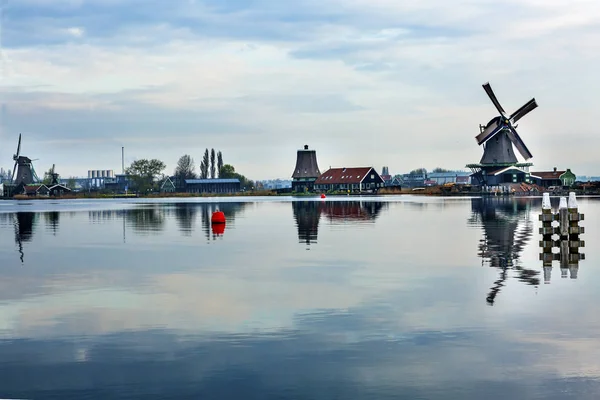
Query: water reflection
{"x": 507, "y": 228}
{"x": 24, "y": 226}
{"x": 353, "y": 211}
{"x": 231, "y": 210}
{"x": 52, "y": 219}
{"x": 307, "y": 215}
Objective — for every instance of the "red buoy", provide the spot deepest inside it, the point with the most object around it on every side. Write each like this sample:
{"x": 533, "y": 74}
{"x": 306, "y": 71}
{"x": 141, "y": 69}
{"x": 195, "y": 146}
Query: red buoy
{"x": 218, "y": 229}
{"x": 218, "y": 217}
{"x": 322, "y": 195}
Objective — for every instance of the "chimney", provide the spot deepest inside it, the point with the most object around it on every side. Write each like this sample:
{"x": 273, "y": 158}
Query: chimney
{"x": 554, "y": 169}
{"x": 306, "y": 148}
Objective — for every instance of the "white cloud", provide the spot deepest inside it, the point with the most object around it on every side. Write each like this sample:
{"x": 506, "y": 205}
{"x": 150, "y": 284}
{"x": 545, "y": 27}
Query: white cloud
{"x": 74, "y": 31}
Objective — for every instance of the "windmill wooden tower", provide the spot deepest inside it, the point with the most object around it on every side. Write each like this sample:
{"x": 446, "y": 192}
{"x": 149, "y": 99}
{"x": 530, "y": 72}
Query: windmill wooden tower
{"x": 23, "y": 171}
{"x": 306, "y": 171}
{"x": 499, "y": 163}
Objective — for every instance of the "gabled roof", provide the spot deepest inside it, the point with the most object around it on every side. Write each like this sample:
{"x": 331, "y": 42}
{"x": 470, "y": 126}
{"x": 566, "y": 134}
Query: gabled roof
{"x": 503, "y": 170}
{"x": 548, "y": 174}
{"x": 344, "y": 175}
{"x": 59, "y": 185}
{"x": 33, "y": 188}
{"x": 167, "y": 180}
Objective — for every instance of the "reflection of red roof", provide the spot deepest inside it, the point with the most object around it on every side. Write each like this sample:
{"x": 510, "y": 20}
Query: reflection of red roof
{"x": 345, "y": 211}
{"x": 548, "y": 174}
{"x": 343, "y": 175}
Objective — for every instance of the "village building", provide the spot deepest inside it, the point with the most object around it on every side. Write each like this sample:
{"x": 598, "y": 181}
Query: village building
{"x": 504, "y": 175}
{"x": 554, "y": 178}
{"x": 58, "y": 190}
{"x": 361, "y": 179}
{"x": 212, "y": 185}
{"x": 168, "y": 185}
{"x": 442, "y": 178}
{"x": 35, "y": 190}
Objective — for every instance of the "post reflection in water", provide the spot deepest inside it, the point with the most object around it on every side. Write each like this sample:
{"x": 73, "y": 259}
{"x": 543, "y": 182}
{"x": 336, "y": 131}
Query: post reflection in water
{"x": 307, "y": 215}
{"x": 507, "y": 228}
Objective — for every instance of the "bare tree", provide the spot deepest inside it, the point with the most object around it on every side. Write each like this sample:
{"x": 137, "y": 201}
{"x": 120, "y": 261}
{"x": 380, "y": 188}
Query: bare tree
{"x": 185, "y": 168}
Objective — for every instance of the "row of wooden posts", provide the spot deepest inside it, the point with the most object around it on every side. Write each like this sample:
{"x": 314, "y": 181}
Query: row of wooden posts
{"x": 561, "y": 230}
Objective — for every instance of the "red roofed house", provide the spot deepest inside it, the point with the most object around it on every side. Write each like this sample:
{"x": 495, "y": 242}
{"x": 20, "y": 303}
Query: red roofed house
{"x": 554, "y": 178}
{"x": 35, "y": 190}
{"x": 362, "y": 179}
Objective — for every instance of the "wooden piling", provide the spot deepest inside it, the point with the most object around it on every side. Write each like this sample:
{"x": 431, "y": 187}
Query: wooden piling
{"x": 568, "y": 232}
{"x": 546, "y": 231}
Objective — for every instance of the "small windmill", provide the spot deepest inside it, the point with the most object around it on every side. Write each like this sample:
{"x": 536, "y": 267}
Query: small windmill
{"x": 23, "y": 171}
{"x": 498, "y": 137}
{"x": 53, "y": 176}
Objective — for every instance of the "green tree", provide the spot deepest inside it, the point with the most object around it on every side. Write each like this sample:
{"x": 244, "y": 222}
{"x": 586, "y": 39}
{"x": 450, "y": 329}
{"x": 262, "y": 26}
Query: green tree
{"x": 438, "y": 169}
{"x": 204, "y": 165}
{"x": 185, "y": 168}
{"x": 219, "y": 163}
{"x": 213, "y": 164}
{"x": 418, "y": 171}
{"x": 143, "y": 173}
{"x": 227, "y": 171}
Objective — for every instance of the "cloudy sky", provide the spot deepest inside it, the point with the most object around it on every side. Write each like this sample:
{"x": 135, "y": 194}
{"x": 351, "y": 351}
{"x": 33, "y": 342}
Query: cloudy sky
{"x": 365, "y": 82}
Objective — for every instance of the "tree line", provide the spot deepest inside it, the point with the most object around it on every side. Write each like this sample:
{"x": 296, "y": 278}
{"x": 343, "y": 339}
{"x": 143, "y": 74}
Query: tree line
{"x": 144, "y": 173}
{"x": 210, "y": 166}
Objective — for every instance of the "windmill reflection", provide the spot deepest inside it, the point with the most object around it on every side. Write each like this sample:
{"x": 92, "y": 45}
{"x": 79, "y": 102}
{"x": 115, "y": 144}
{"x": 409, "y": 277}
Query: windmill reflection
{"x": 307, "y": 215}
{"x": 506, "y": 230}
{"x": 24, "y": 225}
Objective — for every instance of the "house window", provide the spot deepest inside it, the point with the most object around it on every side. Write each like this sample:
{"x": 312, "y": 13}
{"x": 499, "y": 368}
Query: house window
{"x": 372, "y": 176}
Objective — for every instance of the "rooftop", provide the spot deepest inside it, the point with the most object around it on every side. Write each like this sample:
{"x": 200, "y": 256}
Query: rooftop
{"x": 343, "y": 175}
{"x": 216, "y": 180}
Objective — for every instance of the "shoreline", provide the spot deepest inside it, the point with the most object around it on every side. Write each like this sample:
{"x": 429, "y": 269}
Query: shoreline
{"x": 426, "y": 193}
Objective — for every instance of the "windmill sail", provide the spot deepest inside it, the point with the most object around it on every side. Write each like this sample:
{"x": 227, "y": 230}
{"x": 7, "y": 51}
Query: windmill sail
{"x": 501, "y": 125}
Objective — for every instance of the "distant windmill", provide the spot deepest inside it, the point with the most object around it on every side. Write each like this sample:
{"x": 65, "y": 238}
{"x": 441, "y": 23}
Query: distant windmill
{"x": 53, "y": 176}
{"x": 23, "y": 171}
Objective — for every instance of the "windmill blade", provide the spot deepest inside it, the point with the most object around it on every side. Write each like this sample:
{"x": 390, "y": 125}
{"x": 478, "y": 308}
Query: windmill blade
{"x": 518, "y": 142}
{"x": 14, "y": 171}
{"x": 492, "y": 96}
{"x": 490, "y": 131}
{"x": 19, "y": 146}
{"x": 524, "y": 110}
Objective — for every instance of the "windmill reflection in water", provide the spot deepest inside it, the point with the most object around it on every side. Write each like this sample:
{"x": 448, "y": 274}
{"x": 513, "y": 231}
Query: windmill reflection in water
{"x": 507, "y": 228}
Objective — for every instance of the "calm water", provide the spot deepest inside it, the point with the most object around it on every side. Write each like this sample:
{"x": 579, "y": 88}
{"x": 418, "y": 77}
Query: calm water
{"x": 380, "y": 298}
